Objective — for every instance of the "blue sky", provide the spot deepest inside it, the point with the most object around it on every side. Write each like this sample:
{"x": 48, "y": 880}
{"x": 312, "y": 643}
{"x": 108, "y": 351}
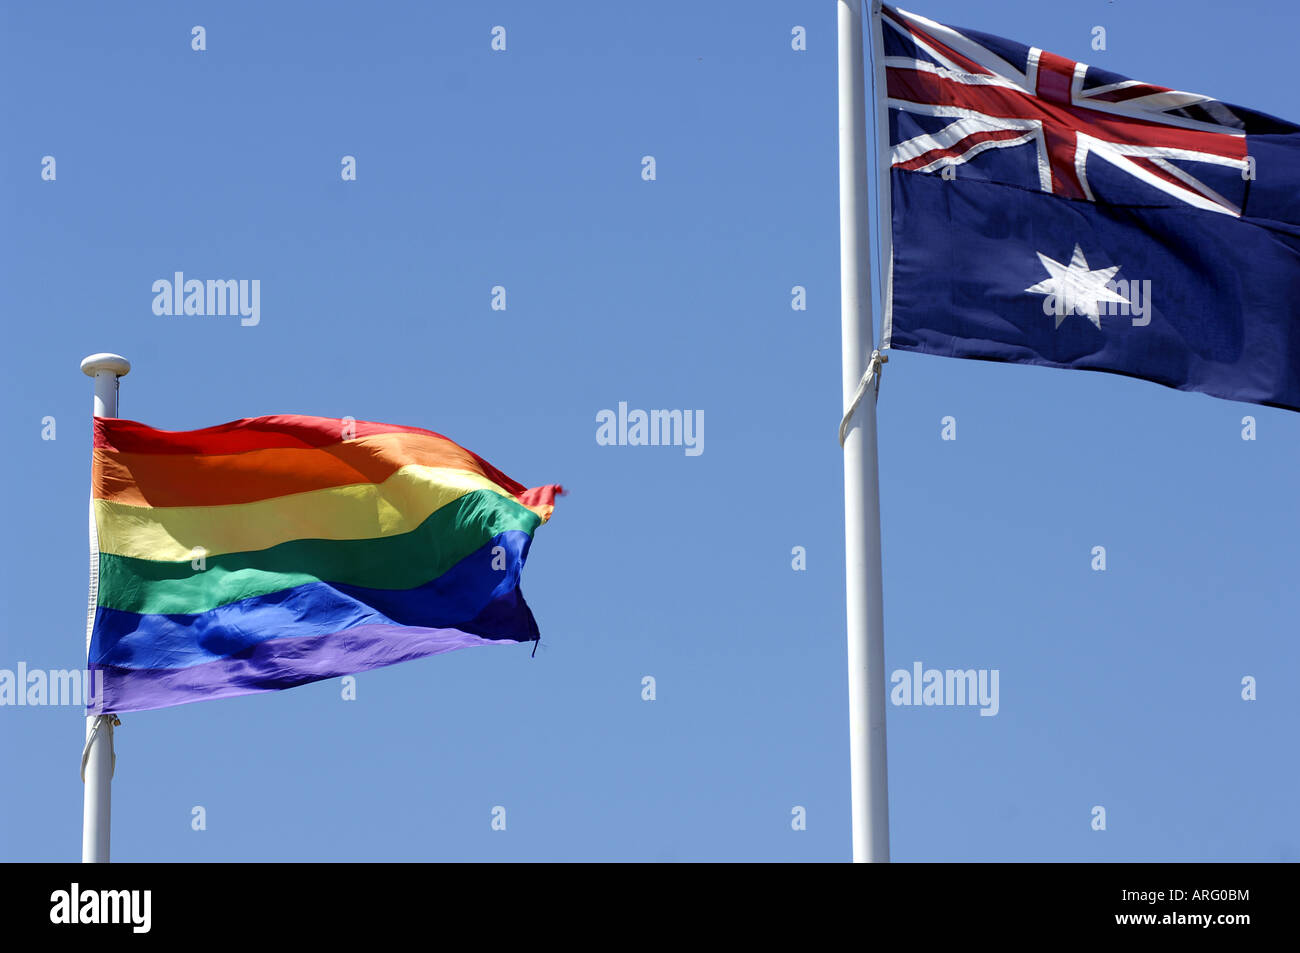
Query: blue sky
{"x": 523, "y": 169}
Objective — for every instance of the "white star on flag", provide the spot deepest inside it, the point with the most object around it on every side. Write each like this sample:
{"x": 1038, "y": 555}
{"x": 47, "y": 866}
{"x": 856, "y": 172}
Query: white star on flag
{"x": 1075, "y": 289}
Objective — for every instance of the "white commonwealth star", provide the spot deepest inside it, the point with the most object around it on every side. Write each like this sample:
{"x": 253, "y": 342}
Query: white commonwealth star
{"x": 1075, "y": 288}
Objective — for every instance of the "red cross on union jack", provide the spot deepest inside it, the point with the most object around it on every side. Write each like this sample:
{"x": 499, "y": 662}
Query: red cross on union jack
{"x": 1138, "y": 128}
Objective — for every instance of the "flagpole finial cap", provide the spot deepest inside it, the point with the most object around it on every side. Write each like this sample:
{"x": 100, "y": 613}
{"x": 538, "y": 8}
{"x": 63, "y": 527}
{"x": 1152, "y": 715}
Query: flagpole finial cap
{"x": 106, "y": 362}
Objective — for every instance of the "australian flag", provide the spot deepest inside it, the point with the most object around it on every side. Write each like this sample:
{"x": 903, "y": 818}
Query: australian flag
{"x": 1048, "y": 212}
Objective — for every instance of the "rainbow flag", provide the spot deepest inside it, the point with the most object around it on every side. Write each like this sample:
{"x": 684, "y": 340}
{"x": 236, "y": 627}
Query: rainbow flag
{"x": 274, "y": 551}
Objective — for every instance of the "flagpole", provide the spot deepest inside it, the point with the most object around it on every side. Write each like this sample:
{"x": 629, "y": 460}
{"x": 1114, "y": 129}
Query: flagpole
{"x": 869, "y": 786}
{"x": 97, "y": 757}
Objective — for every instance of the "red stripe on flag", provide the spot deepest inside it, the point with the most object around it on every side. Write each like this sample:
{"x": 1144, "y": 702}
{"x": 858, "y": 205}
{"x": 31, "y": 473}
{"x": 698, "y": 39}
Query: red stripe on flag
{"x": 968, "y": 143}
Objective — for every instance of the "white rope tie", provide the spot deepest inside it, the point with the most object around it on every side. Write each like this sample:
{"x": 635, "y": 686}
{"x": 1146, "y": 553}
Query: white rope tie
{"x": 870, "y": 374}
{"x": 100, "y": 722}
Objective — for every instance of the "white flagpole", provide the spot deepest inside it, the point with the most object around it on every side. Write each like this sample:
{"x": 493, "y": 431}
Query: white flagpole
{"x": 866, "y": 640}
{"x": 97, "y": 757}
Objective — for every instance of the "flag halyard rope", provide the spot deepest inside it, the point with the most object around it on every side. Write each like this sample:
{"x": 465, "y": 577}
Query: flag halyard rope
{"x": 872, "y": 373}
{"x": 112, "y": 721}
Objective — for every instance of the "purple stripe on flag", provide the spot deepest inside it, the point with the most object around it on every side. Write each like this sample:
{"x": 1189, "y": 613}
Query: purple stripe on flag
{"x": 276, "y": 664}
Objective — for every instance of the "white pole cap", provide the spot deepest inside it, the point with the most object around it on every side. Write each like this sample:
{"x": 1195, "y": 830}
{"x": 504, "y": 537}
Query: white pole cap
{"x": 116, "y": 363}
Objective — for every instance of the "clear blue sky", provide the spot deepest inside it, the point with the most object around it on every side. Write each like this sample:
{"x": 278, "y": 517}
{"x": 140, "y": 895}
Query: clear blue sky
{"x": 522, "y": 169}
